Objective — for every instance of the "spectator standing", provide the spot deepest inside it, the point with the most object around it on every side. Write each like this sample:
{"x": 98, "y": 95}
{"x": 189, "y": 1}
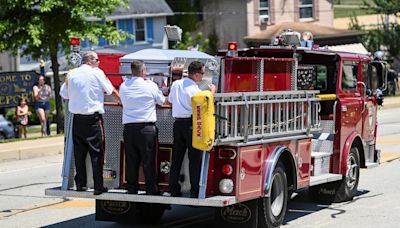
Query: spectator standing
{"x": 22, "y": 114}
{"x": 139, "y": 98}
{"x": 42, "y": 94}
{"x": 85, "y": 87}
{"x": 392, "y": 81}
{"x": 180, "y": 97}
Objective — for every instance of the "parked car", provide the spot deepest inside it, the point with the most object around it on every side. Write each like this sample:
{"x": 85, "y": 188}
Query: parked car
{"x": 6, "y": 128}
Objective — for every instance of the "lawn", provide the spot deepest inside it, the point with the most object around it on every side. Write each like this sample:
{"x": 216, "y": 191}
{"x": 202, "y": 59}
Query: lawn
{"x": 349, "y": 2}
{"x": 37, "y": 129}
{"x": 346, "y": 12}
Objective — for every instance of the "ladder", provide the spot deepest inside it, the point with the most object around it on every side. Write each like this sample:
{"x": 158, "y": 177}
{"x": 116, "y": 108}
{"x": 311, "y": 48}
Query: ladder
{"x": 253, "y": 117}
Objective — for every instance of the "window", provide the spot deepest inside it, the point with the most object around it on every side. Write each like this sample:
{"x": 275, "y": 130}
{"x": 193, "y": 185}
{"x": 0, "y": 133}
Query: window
{"x": 322, "y": 77}
{"x": 126, "y": 26}
{"x": 306, "y": 9}
{"x": 349, "y": 77}
{"x": 140, "y": 33}
{"x": 263, "y": 10}
{"x": 312, "y": 77}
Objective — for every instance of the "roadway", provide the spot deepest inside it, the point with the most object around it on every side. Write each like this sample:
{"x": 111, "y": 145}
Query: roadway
{"x": 23, "y": 203}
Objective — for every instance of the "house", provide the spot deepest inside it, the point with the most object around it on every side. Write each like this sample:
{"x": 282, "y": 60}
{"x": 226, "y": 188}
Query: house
{"x": 144, "y": 19}
{"x": 255, "y": 22}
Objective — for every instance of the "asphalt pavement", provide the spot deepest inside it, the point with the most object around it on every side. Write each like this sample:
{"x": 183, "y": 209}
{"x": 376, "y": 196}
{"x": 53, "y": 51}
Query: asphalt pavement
{"x": 45, "y": 146}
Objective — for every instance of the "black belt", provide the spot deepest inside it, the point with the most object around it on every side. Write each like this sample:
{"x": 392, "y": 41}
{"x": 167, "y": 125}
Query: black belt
{"x": 96, "y": 114}
{"x": 183, "y": 119}
{"x": 140, "y": 124}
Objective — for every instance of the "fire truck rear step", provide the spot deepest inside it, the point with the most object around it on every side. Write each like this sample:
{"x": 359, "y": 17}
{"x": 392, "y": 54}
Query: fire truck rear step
{"x": 371, "y": 165}
{"x": 324, "y": 178}
{"x": 120, "y": 195}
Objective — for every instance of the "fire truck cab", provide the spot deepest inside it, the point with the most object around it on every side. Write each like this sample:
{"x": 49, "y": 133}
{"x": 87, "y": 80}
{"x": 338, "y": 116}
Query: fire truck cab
{"x": 287, "y": 118}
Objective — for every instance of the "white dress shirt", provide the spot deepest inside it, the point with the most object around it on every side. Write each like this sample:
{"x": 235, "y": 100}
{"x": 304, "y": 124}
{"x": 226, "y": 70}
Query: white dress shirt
{"x": 139, "y": 98}
{"x": 85, "y": 87}
{"x": 180, "y": 97}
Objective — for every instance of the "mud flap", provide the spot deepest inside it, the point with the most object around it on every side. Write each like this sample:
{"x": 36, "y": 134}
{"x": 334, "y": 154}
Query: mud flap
{"x": 238, "y": 215}
{"x": 116, "y": 211}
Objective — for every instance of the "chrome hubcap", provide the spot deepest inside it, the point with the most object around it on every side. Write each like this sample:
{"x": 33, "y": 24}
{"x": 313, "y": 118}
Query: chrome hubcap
{"x": 277, "y": 195}
{"x": 351, "y": 174}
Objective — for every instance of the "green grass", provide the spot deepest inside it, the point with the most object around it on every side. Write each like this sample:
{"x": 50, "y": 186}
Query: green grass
{"x": 343, "y": 12}
{"x": 349, "y": 2}
{"x": 37, "y": 129}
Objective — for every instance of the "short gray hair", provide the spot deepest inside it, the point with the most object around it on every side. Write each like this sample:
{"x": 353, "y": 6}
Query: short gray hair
{"x": 136, "y": 67}
{"x": 87, "y": 56}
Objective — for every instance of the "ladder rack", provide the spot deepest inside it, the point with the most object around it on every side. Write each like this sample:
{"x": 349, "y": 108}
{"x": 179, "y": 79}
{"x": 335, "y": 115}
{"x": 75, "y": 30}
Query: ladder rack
{"x": 256, "y": 116}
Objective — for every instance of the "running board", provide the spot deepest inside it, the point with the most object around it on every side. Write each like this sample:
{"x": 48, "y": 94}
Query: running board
{"x": 120, "y": 195}
{"x": 370, "y": 165}
{"x": 324, "y": 178}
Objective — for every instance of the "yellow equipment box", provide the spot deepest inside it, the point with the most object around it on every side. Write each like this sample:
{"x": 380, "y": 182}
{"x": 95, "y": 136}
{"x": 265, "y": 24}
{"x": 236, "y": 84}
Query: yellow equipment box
{"x": 203, "y": 121}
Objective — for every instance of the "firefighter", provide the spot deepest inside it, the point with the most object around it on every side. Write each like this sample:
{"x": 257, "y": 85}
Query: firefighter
{"x": 180, "y": 97}
{"x": 85, "y": 87}
{"x": 139, "y": 98}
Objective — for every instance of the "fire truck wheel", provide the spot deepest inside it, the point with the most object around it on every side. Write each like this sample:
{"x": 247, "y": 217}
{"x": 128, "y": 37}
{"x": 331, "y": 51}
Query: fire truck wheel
{"x": 149, "y": 213}
{"x": 272, "y": 209}
{"x": 348, "y": 186}
{"x": 343, "y": 190}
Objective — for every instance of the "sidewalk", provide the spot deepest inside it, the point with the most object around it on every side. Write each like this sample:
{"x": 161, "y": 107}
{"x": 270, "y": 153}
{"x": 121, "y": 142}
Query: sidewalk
{"x": 55, "y": 145}
{"x": 24, "y": 149}
{"x": 391, "y": 102}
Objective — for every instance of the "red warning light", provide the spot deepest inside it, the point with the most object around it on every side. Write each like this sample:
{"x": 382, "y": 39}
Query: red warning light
{"x": 74, "y": 41}
{"x": 232, "y": 46}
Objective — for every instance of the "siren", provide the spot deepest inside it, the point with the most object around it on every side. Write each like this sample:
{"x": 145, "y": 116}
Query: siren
{"x": 232, "y": 49}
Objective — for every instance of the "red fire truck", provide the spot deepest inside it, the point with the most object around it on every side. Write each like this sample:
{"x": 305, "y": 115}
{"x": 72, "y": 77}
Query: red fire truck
{"x": 287, "y": 118}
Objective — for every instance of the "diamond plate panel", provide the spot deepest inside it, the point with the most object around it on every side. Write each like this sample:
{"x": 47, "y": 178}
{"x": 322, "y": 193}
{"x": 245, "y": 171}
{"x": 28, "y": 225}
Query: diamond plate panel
{"x": 113, "y": 130}
{"x": 165, "y": 123}
{"x": 327, "y": 126}
{"x": 322, "y": 146}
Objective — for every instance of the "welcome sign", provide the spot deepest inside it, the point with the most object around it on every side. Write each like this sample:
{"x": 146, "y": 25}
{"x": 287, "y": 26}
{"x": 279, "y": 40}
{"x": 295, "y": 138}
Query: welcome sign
{"x": 14, "y": 85}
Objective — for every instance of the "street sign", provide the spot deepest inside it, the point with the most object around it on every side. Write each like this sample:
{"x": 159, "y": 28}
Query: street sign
{"x": 14, "y": 85}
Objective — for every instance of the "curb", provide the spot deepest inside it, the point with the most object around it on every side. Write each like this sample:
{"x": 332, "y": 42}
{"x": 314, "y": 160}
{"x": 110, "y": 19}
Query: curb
{"x": 38, "y": 149}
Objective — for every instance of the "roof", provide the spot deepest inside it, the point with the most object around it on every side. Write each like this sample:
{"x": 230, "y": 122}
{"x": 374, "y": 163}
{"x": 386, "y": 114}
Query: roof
{"x": 319, "y": 31}
{"x": 164, "y": 55}
{"x": 142, "y": 8}
{"x": 353, "y": 48}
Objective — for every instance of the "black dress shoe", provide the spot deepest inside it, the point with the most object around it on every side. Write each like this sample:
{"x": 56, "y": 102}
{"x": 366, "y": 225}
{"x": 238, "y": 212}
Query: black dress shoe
{"x": 132, "y": 192}
{"x": 98, "y": 192}
{"x": 80, "y": 189}
{"x": 176, "y": 194}
{"x": 194, "y": 196}
{"x": 153, "y": 193}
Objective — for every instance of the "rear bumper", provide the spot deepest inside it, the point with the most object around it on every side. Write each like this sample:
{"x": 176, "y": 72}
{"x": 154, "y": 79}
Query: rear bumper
{"x": 120, "y": 195}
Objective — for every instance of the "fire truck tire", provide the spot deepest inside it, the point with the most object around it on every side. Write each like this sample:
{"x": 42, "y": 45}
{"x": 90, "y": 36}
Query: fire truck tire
{"x": 149, "y": 213}
{"x": 343, "y": 190}
{"x": 348, "y": 186}
{"x": 272, "y": 209}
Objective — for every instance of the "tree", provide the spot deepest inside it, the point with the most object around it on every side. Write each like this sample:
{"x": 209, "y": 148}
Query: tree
{"x": 189, "y": 43}
{"x": 187, "y": 14}
{"x": 389, "y": 7}
{"x": 386, "y": 35}
{"x": 42, "y": 29}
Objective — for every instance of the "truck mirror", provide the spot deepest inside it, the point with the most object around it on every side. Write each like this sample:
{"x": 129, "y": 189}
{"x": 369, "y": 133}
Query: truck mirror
{"x": 381, "y": 70}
